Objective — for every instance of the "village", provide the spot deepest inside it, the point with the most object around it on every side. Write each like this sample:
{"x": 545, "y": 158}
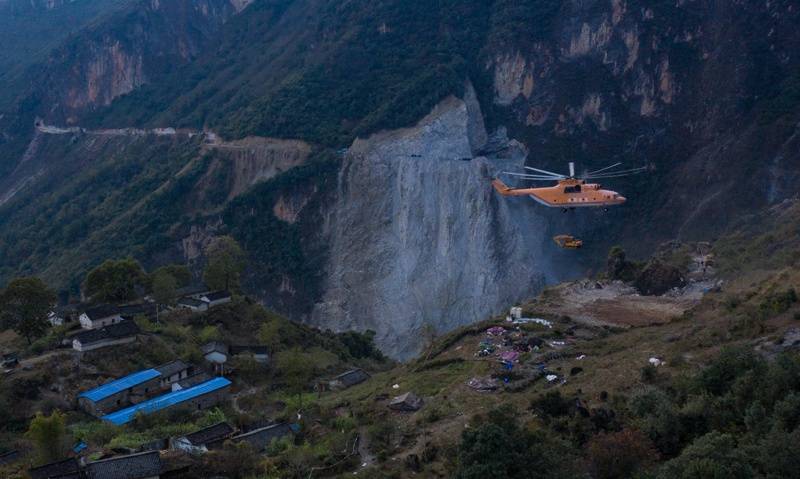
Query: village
{"x": 220, "y": 383}
{"x": 174, "y": 388}
{"x": 206, "y": 382}
{"x": 170, "y": 373}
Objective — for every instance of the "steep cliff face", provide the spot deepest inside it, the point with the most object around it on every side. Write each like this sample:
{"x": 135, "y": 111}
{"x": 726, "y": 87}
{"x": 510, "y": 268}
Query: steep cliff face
{"x": 699, "y": 91}
{"x": 31, "y": 29}
{"x": 418, "y": 243}
{"x": 403, "y": 233}
{"x": 105, "y": 63}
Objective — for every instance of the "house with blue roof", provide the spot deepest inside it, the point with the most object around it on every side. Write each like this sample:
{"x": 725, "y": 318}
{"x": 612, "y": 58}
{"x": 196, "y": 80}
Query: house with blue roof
{"x": 120, "y": 392}
{"x": 201, "y": 396}
{"x": 133, "y": 388}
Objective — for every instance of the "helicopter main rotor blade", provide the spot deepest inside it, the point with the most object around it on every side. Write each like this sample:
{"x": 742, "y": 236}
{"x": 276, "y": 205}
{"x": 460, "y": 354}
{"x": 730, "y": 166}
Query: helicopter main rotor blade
{"x": 532, "y": 177}
{"x": 545, "y": 172}
{"x": 604, "y": 169}
{"x": 616, "y": 174}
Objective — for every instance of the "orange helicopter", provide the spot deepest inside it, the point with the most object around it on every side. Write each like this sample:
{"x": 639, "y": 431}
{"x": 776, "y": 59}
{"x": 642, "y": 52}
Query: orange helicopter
{"x": 570, "y": 192}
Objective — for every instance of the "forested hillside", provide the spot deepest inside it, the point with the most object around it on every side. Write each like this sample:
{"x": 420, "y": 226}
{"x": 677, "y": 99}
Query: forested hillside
{"x": 701, "y": 94}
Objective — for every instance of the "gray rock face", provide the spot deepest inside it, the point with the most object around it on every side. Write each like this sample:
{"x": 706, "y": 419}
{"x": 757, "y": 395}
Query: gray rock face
{"x": 419, "y": 241}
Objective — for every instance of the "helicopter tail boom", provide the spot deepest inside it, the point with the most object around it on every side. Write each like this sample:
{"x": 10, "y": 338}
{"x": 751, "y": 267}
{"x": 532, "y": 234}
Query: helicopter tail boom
{"x": 504, "y": 189}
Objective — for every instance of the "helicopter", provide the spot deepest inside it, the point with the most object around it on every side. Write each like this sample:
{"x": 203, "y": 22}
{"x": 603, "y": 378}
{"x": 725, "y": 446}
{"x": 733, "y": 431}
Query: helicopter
{"x": 570, "y": 191}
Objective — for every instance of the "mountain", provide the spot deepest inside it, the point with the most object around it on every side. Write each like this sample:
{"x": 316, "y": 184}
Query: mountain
{"x": 30, "y": 29}
{"x": 349, "y": 146}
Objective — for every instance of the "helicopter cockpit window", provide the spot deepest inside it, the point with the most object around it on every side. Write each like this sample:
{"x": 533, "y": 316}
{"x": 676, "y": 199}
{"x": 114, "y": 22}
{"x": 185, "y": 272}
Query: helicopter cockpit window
{"x": 572, "y": 189}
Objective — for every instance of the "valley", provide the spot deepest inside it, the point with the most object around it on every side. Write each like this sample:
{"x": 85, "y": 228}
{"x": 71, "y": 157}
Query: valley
{"x": 250, "y": 239}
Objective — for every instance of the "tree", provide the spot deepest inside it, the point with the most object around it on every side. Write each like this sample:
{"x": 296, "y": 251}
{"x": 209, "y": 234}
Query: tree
{"x": 181, "y": 273}
{"x": 269, "y": 333}
{"x": 164, "y": 289}
{"x": 48, "y": 434}
{"x": 226, "y": 261}
{"x": 714, "y": 455}
{"x": 115, "y": 280}
{"x": 499, "y": 447}
{"x": 298, "y": 369}
{"x": 620, "y": 454}
{"x": 25, "y": 304}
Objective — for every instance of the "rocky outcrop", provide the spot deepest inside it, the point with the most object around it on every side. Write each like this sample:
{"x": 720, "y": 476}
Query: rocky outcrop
{"x": 114, "y": 58}
{"x": 419, "y": 240}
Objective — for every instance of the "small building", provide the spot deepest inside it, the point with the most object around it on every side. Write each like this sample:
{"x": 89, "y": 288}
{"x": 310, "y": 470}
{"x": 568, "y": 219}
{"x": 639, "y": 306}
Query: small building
{"x": 259, "y": 353}
{"x": 142, "y": 465}
{"x": 9, "y": 360}
{"x": 55, "y": 318}
{"x": 100, "y": 316}
{"x": 130, "y": 311}
{"x": 66, "y": 469}
{"x": 120, "y": 392}
{"x": 406, "y": 402}
{"x": 9, "y": 456}
{"x": 194, "y": 304}
{"x": 65, "y": 314}
{"x": 195, "y": 291}
{"x": 217, "y": 297}
{"x": 202, "y": 396}
{"x": 192, "y": 380}
{"x": 120, "y": 333}
{"x": 260, "y": 438}
{"x": 173, "y": 372}
{"x": 205, "y": 439}
{"x": 349, "y": 378}
{"x": 216, "y": 353}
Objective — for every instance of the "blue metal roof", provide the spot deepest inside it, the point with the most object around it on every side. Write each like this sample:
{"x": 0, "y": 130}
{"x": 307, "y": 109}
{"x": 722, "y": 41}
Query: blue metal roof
{"x": 124, "y": 416}
{"x": 118, "y": 385}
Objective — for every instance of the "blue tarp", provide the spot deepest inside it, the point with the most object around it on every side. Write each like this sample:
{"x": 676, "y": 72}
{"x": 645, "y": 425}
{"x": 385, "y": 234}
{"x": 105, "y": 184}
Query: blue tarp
{"x": 109, "y": 389}
{"x": 124, "y": 416}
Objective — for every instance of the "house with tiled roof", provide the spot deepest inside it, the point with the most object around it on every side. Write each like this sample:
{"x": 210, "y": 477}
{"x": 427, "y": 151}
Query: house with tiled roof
{"x": 173, "y": 372}
{"x": 259, "y": 353}
{"x": 143, "y": 465}
{"x": 205, "y": 439}
{"x": 194, "y": 304}
{"x": 217, "y": 297}
{"x": 349, "y": 378}
{"x": 123, "y": 332}
{"x": 66, "y": 469}
{"x": 100, "y": 316}
{"x": 259, "y": 439}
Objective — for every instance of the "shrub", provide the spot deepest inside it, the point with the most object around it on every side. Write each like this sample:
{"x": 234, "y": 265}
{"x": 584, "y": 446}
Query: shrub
{"x": 714, "y": 455}
{"x": 551, "y": 404}
{"x": 619, "y": 454}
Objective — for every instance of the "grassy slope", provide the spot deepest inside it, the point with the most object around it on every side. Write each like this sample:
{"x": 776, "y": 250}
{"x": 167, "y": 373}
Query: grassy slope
{"x": 614, "y": 357}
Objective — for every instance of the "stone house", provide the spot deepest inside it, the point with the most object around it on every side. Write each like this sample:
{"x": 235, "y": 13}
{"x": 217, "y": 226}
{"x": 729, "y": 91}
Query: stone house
{"x": 120, "y": 333}
{"x": 120, "y": 392}
{"x": 100, "y": 316}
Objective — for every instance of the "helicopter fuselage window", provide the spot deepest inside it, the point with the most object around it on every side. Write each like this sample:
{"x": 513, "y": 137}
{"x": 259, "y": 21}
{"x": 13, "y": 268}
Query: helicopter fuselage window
{"x": 572, "y": 189}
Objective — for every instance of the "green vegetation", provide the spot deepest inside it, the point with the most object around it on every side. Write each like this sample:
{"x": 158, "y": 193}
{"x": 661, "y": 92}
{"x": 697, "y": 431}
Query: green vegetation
{"x": 48, "y": 434}
{"x": 226, "y": 260}
{"x": 375, "y": 65}
{"x": 115, "y": 280}
{"x": 282, "y": 249}
{"x": 496, "y": 446}
{"x": 164, "y": 287}
{"x": 29, "y": 31}
{"x": 24, "y": 306}
{"x": 125, "y": 204}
